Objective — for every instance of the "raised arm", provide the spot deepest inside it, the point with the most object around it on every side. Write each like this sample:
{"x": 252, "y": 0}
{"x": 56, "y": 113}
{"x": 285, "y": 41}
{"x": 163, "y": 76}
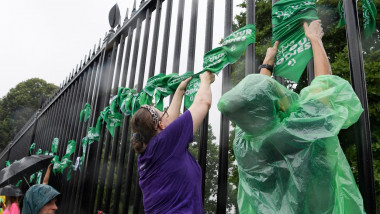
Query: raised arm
{"x": 202, "y": 100}
{"x": 314, "y": 33}
{"x": 269, "y": 59}
{"x": 175, "y": 105}
{"x": 47, "y": 175}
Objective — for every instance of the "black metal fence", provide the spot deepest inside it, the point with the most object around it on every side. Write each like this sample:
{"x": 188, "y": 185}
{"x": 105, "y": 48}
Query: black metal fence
{"x": 108, "y": 179}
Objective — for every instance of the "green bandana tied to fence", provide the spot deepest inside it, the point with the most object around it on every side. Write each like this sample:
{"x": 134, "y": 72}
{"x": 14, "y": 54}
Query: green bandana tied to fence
{"x": 128, "y": 101}
{"x": 54, "y": 146}
{"x": 32, "y": 148}
{"x": 86, "y": 112}
{"x": 369, "y": 16}
{"x": 294, "y": 50}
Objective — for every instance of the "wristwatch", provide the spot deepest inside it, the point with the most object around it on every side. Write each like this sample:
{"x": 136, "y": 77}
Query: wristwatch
{"x": 269, "y": 67}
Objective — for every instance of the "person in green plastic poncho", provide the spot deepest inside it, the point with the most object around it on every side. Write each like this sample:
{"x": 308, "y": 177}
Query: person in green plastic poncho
{"x": 286, "y": 145}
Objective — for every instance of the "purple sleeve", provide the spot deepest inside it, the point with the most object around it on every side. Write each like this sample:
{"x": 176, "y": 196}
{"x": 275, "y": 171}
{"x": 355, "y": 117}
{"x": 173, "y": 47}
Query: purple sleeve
{"x": 179, "y": 133}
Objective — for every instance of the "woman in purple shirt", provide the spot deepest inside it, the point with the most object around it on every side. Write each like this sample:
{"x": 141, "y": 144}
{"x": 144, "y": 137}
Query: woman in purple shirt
{"x": 170, "y": 177}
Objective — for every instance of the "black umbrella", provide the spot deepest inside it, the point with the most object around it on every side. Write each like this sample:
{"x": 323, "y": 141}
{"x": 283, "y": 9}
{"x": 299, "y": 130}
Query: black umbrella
{"x": 23, "y": 168}
{"x": 11, "y": 190}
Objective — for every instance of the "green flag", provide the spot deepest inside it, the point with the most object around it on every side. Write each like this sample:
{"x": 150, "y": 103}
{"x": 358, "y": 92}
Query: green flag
{"x": 86, "y": 111}
{"x": 54, "y": 145}
{"x": 236, "y": 43}
{"x": 191, "y": 90}
{"x": 369, "y": 17}
{"x": 294, "y": 50}
{"x": 32, "y": 147}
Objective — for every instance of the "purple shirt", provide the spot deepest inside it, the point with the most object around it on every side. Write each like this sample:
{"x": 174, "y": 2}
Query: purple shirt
{"x": 170, "y": 177}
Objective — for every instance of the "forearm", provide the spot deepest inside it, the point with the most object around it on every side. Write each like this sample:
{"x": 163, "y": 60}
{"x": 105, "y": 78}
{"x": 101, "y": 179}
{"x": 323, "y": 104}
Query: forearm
{"x": 321, "y": 62}
{"x": 201, "y": 105}
{"x": 175, "y": 105}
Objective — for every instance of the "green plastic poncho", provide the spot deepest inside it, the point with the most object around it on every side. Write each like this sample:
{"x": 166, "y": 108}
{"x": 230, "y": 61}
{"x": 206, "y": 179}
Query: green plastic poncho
{"x": 286, "y": 145}
{"x": 36, "y": 197}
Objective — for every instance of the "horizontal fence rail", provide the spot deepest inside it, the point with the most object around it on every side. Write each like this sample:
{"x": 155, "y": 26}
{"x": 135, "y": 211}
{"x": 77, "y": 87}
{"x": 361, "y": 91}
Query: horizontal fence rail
{"x": 133, "y": 50}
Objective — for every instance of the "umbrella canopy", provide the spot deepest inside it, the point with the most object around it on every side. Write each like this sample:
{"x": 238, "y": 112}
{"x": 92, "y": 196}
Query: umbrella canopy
{"x": 11, "y": 190}
{"x": 23, "y": 168}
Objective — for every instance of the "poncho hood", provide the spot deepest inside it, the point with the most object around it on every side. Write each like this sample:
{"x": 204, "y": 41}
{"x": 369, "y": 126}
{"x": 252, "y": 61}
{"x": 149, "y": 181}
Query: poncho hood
{"x": 37, "y": 196}
{"x": 257, "y": 103}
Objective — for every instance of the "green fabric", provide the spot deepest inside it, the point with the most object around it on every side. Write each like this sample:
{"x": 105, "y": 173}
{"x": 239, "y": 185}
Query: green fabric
{"x": 215, "y": 60}
{"x": 39, "y": 176}
{"x": 294, "y": 50}
{"x": 7, "y": 163}
{"x": 18, "y": 183}
{"x": 36, "y": 197}
{"x": 369, "y": 16}
{"x": 54, "y": 145}
{"x": 86, "y": 111}
{"x": 191, "y": 90}
{"x": 236, "y": 43}
{"x": 32, "y": 177}
{"x": 32, "y": 148}
{"x": 286, "y": 146}
{"x": 113, "y": 119}
{"x": 128, "y": 101}
{"x": 39, "y": 151}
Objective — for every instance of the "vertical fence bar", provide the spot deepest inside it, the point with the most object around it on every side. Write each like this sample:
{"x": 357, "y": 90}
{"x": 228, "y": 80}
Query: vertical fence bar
{"x": 178, "y": 37}
{"x": 107, "y": 135}
{"x": 250, "y": 61}
{"x": 131, "y": 155}
{"x": 193, "y": 35}
{"x": 157, "y": 21}
{"x": 115, "y": 142}
{"x": 91, "y": 150}
{"x": 203, "y": 132}
{"x": 361, "y": 129}
{"x": 164, "y": 55}
{"x": 91, "y": 98}
{"x": 75, "y": 126}
{"x": 124, "y": 135}
{"x": 71, "y": 184}
{"x": 224, "y": 128}
{"x": 140, "y": 83}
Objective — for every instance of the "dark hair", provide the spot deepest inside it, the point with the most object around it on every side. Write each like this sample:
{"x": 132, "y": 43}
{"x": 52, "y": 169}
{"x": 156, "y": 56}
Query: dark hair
{"x": 11, "y": 199}
{"x": 143, "y": 129}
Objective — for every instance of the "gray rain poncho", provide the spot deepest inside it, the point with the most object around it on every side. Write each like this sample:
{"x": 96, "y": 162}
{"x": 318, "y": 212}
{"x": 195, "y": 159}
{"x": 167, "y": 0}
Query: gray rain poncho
{"x": 36, "y": 197}
{"x": 286, "y": 145}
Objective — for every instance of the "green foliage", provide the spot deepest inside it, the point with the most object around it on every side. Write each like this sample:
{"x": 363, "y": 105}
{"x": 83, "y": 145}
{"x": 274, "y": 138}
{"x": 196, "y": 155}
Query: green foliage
{"x": 335, "y": 44}
{"x": 211, "y": 181}
{"x": 20, "y": 103}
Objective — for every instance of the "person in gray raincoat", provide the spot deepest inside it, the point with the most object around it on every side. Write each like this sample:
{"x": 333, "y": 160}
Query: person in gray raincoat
{"x": 40, "y": 199}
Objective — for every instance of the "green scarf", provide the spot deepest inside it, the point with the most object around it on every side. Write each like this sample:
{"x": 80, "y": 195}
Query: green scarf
{"x": 369, "y": 16}
{"x": 294, "y": 50}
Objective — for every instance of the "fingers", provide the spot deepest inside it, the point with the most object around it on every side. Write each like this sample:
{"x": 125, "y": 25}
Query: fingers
{"x": 187, "y": 80}
{"x": 305, "y": 26}
{"x": 275, "y": 46}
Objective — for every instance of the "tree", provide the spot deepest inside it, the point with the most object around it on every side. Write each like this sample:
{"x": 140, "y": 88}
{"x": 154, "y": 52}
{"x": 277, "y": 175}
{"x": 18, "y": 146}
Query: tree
{"x": 20, "y": 103}
{"x": 336, "y": 48}
{"x": 211, "y": 185}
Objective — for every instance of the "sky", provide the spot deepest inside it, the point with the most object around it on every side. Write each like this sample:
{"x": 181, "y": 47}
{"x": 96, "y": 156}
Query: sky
{"x": 47, "y": 39}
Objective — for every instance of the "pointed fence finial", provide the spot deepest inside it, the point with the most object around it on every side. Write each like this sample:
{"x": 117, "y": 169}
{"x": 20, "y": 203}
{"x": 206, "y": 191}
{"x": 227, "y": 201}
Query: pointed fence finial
{"x": 126, "y": 17}
{"x": 100, "y": 42}
{"x": 93, "y": 51}
{"x": 142, "y": 2}
{"x": 89, "y": 55}
{"x": 134, "y": 7}
{"x": 114, "y": 16}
